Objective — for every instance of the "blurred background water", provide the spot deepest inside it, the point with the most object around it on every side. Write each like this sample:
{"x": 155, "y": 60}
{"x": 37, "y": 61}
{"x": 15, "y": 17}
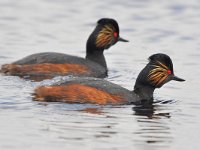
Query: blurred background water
{"x": 171, "y": 27}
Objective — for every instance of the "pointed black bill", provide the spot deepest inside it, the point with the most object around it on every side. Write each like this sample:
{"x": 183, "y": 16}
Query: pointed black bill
{"x": 122, "y": 40}
{"x": 177, "y": 79}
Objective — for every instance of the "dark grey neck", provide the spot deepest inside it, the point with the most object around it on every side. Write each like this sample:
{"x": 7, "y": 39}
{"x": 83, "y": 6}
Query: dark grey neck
{"x": 98, "y": 57}
{"x": 93, "y": 52}
{"x": 145, "y": 92}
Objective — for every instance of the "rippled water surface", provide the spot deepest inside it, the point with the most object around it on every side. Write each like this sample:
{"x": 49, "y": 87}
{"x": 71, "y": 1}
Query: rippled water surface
{"x": 171, "y": 27}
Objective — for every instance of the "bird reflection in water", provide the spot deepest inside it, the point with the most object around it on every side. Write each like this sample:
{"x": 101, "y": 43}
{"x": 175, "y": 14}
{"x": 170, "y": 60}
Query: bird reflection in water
{"x": 96, "y": 111}
{"x": 150, "y": 110}
{"x": 153, "y": 121}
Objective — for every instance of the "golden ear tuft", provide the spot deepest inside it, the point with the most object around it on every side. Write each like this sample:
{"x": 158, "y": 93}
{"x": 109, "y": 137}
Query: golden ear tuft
{"x": 106, "y": 36}
{"x": 159, "y": 74}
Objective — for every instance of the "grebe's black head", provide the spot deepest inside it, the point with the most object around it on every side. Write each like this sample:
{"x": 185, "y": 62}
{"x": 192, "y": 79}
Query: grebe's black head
{"x": 104, "y": 35}
{"x": 157, "y": 72}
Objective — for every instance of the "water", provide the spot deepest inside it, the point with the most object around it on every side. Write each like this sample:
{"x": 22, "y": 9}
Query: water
{"x": 30, "y": 26}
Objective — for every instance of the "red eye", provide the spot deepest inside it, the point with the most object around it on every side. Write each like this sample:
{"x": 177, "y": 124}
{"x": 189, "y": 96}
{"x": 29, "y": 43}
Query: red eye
{"x": 169, "y": 71}
{"x": 115, "y": 34}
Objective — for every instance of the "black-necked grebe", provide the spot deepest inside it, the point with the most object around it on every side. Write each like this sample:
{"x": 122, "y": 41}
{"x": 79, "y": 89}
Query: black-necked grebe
{"x": 156, "y": 73}
{"x": 51, "y": 64}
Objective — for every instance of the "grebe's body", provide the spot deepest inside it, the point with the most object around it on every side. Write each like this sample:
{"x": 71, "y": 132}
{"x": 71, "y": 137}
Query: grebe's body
{"x": 49, "y": 64}
{"x": 156, "y": 73}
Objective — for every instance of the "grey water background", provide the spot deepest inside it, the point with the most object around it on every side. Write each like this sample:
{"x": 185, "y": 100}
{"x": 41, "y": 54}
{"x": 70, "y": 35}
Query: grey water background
{"x": 171, "y": 27}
